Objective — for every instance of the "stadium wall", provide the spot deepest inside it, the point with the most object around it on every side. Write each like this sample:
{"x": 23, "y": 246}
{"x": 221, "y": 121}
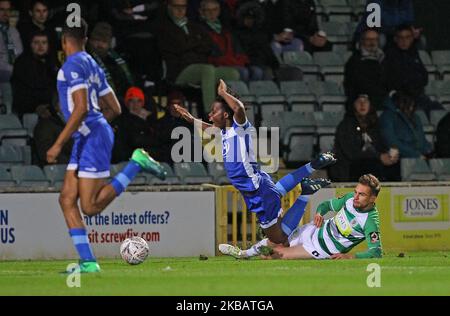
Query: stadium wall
{"x": 193, "y": 219}
{"x": 175, "y": 224}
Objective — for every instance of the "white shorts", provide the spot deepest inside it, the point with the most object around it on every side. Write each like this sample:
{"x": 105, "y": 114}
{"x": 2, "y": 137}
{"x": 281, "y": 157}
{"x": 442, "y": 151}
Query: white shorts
{"x": 306, "y": 236}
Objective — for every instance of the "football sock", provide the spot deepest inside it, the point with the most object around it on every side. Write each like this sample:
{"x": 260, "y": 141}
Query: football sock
{"x": 81, "y": 243}
{"x": 293, "y": 216}
{"x": 123, "y": 178}
{"x": 253, "y": 250}
{"x": 288, "y": 182}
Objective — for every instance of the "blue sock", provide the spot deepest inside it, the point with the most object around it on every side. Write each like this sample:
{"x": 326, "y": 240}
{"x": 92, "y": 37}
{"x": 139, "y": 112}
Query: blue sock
{"x": 288, "y": 182}
{"x": 293, "y": 216}
{"x": 81, "y": 242}
{"x": 123, "y": 178}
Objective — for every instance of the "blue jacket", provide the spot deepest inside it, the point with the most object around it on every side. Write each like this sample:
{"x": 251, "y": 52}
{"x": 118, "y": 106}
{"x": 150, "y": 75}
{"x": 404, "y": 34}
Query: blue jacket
{"x": 398, "y": 131}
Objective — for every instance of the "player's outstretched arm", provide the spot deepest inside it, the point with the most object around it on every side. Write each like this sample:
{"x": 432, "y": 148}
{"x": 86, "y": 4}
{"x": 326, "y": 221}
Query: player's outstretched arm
{"x": 80, "y": 111}
{"x": 110, "y": 106}
{"x": 188, "y": 117}
{"x": 234, "y": 103}
{"x": 288, "y": 253}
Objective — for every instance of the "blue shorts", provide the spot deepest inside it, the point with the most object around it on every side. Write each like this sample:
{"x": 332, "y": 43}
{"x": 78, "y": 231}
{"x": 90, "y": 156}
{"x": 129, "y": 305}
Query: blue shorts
{"x": 91, "y": 154}
{"x": 265, "y": 202}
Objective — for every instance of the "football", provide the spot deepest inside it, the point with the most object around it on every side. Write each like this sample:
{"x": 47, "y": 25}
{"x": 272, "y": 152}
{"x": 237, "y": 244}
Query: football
{"x": 134, "y": 250}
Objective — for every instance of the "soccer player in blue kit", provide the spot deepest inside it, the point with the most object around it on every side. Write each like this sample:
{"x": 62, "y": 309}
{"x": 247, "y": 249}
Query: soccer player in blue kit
{"x": 82, "y": 87}
{"x": 261, "y": 195}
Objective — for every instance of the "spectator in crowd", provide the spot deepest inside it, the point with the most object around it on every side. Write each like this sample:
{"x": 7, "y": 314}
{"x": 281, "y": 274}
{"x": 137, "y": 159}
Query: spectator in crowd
{"x": 401, "y": 127}
{"x": 50, "y": 124}
{"x": 254, "y": 39}
{"x": 301, "y": 17}
{"x": 443, "y": 137}
{"x": 185, "y": 47}
{"x": 10, "y": 48}
{"x": 359, "y": 147}
{"x": 363, "y": 71}
{"x": 34, "y": 76}
{"x": 134, "y": 127}
{"x": 132, "y": 21}
{"x": 394, "y": 13}
{"x": 115, "y": 67}
{"x": 404, "y": 70}
{"x": 38, "y": 21}
{"x": 227, "y": 50}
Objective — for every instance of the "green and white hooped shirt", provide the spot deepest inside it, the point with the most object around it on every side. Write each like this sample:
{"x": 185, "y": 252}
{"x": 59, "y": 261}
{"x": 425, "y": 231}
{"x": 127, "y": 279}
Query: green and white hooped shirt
{"x": 348, "y": 228}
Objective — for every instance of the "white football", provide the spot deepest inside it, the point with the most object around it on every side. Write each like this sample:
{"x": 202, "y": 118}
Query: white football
{"x": 134, "y": 250}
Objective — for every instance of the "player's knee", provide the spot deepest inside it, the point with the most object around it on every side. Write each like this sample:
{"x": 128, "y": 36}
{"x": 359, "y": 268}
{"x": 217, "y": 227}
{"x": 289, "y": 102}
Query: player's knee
{"x": 88, "y": 208}
{"x": 66, "y": 200}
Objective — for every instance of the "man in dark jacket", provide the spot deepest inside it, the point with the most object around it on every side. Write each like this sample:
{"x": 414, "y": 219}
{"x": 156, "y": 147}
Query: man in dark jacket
{"x": 185, "y": 47}
{"x": 363, "y": 71}
{"x": 38, "y": 21}
{"x": 34, "y": 77}
{"x": 403, "y": 67}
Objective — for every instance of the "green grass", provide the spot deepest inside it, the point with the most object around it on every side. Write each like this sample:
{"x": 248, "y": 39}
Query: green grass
{"x": 415, "y": 274}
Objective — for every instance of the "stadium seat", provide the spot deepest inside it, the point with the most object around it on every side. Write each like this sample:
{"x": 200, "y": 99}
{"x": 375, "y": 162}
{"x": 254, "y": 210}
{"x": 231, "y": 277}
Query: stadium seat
{"x": 296, "y": 124}
{"x": 171, "y": 178}
{"x": 6, "y": 179}
{"x": 441, "y": 58}
{"x": 268, "y": 97}
{"x": 426, "y": 60}
{"x": 29, "y": 122}
{"x": 305, "y": 62}
{"x": 192, "y": 173}
{"x": 299, "y": 148}
{"x": 433, "y": 89}
{"x": 416, "y": 170}
{"x": 326, "y": 128}
{"x": 217, "y": 171}
{"x": 11, "y": 155}
{"x": 11, "y": 131}
{"x": 358, "y": 6}
{"x": 427, "y": 126}
{"x": 329, "y": 94}
{"x": 441, "y": 167}
{"x": 55, "y": 173}
{"x": 331, "y": 65}
{"x": 241, "y": 89}
{"x": 29, "y": 176}
{"x": 140, "y": 179}
{"x": 336, "y": 8}
{"x": 298, "y": 95}
{"x": 436, "y": 117}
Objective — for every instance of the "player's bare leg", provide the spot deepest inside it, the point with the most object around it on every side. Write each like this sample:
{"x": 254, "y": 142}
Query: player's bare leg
{"x": 95, "y": 195}
{"x": 289, "y": 253}
{"x": 68, "y": 201}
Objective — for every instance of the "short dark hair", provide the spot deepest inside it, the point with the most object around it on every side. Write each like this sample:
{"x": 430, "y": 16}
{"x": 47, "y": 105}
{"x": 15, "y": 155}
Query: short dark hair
{"x": 78, "y": 33}
{"x": 34, "y": 2}
{"x": 403, "y": 27}
{"x": 372, "y": 182}
{"x": 225, "y": 106}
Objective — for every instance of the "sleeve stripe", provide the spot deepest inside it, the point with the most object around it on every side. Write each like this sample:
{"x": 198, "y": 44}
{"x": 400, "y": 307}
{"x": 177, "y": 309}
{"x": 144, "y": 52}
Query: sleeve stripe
{"x": 240, "y": 125}
{"x": 78, "y": 87}
{"x": 105, "y": 91}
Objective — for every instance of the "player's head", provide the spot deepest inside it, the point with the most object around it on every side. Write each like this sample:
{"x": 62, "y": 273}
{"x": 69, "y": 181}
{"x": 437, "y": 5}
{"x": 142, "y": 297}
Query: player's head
{"x": 74, "y": 36}
{"x": 221, "y": 115}
{"x": 366, "y": 192}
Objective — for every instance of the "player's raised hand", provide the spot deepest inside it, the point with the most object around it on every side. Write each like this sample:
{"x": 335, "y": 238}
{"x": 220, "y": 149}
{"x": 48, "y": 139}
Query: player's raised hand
{"x": 222, "y": 88}
{"x": 53, "y": 153}
{"x": 184, "y": 113}
{"x": 318, "y": 220}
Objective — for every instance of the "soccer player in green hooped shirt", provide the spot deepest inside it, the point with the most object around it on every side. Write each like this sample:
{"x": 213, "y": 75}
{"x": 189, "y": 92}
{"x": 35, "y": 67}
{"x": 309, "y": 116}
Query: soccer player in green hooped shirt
{"x": 356, "y": 220}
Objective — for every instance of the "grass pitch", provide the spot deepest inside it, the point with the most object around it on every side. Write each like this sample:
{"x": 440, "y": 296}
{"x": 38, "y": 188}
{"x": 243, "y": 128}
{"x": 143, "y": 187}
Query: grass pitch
{"x": 426, "y": 273}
